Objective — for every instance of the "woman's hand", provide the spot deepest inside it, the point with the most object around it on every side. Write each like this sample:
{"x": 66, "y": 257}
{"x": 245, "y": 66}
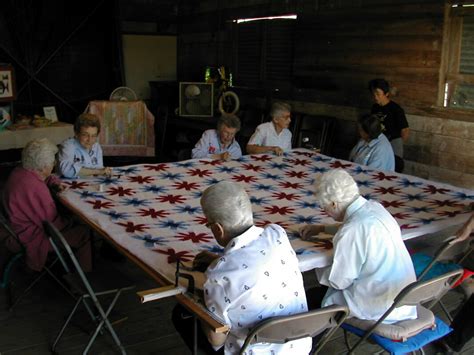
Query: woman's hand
{"x": 465, "y": 231}
{"x": 107, "y": 172}
{"x": 309, "y": 230}
{"x": 277, "y": 150}
{"x": 203, "y": 260}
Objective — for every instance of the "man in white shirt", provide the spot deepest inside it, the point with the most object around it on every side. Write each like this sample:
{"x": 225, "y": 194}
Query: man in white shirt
{"x": 371, "y": 264}
{"x": 274, "y": 136}
{"x": 257, "y": 276}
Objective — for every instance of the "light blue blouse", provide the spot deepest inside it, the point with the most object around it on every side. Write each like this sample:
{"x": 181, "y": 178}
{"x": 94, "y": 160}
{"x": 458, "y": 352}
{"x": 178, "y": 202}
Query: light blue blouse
{"x": 209, "y": 144}
{"x": 377, "y": 153}
{"x": 73, "y": 156}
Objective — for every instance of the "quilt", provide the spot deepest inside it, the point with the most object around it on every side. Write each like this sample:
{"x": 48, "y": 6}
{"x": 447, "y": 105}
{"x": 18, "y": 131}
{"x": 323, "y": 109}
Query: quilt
{"x": 153, "y": 210}
{"x": 127, "y": 127}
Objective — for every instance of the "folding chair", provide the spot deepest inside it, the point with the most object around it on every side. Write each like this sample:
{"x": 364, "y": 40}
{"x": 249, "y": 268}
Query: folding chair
{"x": 446, "y": 258}
{"x": 17, "y": 254}
{"x": 280, "y": 330}
{"x": 316, "y": 132}
{"x": 88, "y": 294}
{"x": 408, "y": 335}
{"x": 10, "y": 258}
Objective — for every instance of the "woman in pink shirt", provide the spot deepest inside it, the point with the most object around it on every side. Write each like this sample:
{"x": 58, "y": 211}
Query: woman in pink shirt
{"x": 29, "y": 202}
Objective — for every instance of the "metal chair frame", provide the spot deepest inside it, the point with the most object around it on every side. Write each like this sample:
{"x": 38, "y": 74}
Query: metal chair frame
{"x": 427, "y": 292}
{"x": 6, "y": 278}
{"x": 63, "y": 251}
{"x": 440, "y": 252}
{"x": 279, "y": 330}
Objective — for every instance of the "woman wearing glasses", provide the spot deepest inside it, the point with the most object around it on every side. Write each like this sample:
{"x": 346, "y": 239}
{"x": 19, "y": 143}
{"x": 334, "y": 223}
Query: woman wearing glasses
{"x": 81, "y": 155}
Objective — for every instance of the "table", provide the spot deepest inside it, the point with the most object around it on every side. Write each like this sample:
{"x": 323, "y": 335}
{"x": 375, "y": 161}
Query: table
{"x": 17, "y": 139}
{"x": 152, "y": 211}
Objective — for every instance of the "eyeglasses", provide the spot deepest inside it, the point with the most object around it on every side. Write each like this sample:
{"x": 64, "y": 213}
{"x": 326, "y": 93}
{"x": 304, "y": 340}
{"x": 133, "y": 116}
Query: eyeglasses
{"x": 87, "y": 135}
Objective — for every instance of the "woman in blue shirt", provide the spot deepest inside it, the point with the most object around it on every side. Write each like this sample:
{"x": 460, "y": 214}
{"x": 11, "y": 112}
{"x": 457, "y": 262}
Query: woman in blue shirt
{"x": 81, "y": 155}
{"x": 373, "y": 148}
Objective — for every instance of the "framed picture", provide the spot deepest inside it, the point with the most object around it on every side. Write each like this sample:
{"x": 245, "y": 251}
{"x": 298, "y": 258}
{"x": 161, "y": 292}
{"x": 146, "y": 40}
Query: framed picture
{"x": 196, "y": 99}
{"x": 7, "y": 83}
{"x": 6, "y": 115}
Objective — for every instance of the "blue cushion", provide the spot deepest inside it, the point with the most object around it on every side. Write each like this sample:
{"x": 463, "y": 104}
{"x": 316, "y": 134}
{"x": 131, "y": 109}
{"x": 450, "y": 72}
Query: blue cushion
{"x": 414, "y": 343}
{"x": 421, "y": 261}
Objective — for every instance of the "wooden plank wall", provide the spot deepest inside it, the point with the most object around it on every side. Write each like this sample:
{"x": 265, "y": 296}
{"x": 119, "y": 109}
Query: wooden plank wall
{"x": 343, "y": 44}
{"x": 338, "y": 46}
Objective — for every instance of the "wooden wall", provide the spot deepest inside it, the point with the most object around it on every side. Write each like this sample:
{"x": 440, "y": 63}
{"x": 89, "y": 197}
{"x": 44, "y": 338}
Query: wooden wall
{"x": 338, "y": 46}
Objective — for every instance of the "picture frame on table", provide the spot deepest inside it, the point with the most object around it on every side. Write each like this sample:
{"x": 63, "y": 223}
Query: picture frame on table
{"x": 7, "y": 83}
{"x": 6, "y": 115}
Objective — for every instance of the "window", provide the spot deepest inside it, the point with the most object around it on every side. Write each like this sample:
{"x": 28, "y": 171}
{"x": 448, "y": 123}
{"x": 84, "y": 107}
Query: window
{"x": 264, "y": 51}
{"x": 459, "y": 78}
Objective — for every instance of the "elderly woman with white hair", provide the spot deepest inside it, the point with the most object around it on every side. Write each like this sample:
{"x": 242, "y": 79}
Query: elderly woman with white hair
{"x": 256, "y": 277}
{"x": 274, "y": 136}
{"x": 371, "y": 264}
{"x": 29, "y": 202}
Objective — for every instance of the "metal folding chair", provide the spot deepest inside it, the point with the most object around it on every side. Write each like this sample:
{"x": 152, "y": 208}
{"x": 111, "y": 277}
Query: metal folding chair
{"x": 446, "y": 258}
{"x": 18, "y": 255}
{"x": 395, "y": 338}
{"x": 280, "y": 330}
{"x": 88, "y": 296}
{"x": 11, "y": 258}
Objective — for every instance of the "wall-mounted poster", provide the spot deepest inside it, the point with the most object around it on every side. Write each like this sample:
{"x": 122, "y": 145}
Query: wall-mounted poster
{"x": 7, "y": 83}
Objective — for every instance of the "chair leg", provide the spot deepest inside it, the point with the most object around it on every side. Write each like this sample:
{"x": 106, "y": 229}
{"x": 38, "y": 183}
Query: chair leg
{"x": 27, "y": 290}
{"x": 50, "y": 273}
{"x": 195, "y": 331}
{"x": 105, "y": 321}
{"x": 346, "y": 340}
{"x": 445, "y": 310}
{"x": 46, "y": 270}
{"x": 55, "y": 343}
{"x": 8, "y": 295}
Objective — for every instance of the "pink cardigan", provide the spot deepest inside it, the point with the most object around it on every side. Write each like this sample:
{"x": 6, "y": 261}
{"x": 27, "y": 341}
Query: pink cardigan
{"x": 29, "y": 203}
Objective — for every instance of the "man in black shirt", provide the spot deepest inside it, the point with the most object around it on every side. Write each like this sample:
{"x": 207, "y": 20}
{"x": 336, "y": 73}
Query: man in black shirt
{"x": 394, "y": 121}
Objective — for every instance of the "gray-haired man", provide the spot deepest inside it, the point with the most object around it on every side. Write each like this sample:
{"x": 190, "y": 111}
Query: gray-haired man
{"x": 256, "y": 277}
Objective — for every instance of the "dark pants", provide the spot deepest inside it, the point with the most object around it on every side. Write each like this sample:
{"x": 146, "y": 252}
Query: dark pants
{"x": 183, "y": 321}
{"x": 314, "y": 297}
{"x": 399, "y": 164}
{"x": 463, "y": 326}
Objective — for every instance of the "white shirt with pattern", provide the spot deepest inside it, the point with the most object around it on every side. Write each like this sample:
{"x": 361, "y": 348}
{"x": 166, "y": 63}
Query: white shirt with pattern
{"x": 265, "y": 135}
{"x": 256, "y": 278}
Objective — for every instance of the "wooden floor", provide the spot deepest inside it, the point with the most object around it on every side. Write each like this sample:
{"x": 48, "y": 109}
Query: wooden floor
{"x": 31, "y": 326}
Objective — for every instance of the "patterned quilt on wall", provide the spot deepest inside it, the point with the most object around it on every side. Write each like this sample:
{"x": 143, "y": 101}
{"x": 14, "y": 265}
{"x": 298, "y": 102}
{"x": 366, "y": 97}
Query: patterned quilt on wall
{"x": 127, "y": 127}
